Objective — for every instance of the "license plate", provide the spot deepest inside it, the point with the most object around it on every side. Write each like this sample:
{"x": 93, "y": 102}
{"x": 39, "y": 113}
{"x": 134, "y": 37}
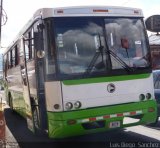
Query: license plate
{"x": 114, "y": 124}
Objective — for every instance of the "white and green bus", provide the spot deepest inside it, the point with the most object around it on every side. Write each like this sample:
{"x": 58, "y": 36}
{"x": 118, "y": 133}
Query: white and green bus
{"x": 80, "y": 70}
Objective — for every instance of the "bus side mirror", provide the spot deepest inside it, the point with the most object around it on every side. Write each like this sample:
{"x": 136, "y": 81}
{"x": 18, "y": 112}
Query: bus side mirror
{"x": 38, "y": 43}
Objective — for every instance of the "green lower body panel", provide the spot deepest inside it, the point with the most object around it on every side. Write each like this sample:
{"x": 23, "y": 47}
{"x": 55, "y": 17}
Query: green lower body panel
{"x": 73, "y": 123}
{"x": 18, "y": 103}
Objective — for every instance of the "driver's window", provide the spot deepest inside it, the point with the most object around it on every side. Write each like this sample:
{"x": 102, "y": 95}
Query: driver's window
{"x": 126, "y": 38}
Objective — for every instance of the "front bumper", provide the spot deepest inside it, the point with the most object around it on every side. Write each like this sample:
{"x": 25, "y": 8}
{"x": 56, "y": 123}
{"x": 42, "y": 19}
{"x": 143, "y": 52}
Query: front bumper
{"x": 80, "y": 122}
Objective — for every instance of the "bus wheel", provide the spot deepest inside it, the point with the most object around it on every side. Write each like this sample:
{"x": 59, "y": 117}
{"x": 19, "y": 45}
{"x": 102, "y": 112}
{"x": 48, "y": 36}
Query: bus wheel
{"x": 36, "y": 120}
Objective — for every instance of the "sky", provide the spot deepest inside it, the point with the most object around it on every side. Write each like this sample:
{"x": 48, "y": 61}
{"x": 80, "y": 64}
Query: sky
{"x": 20, "y": 11}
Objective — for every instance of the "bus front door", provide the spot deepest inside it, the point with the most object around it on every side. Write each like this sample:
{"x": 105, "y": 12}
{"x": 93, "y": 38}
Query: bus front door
{"x": 26, "y": 92}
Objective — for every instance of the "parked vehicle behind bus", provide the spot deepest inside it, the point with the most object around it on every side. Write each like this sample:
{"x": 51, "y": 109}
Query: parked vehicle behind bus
{"x": 156, "y": 76}
{"x": 80, "y": 70}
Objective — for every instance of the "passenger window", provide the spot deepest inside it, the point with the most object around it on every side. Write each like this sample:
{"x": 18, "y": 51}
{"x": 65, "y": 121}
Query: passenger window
{"x": 16, "y": 55}
{"x": 13, "y": 57}
{"x": 29, "y": 45}
{"x": 9, "y": 59}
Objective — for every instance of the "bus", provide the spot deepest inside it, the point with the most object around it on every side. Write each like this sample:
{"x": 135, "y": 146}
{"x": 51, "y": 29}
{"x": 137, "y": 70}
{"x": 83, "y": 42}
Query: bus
{"x": 80, "y": 70}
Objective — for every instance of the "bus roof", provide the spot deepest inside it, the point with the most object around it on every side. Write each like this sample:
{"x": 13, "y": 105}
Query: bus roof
{"x": 89, "y": 11}
{"x": 79, "y": 11}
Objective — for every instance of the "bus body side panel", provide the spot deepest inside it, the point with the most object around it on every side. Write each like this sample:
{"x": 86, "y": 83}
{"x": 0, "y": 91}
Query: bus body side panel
{"x": 15, "y": 90}
{"x": 32, "y": 78}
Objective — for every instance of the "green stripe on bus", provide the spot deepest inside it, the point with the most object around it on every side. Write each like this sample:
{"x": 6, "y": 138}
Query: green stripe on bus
{"x": 105, "y": 79}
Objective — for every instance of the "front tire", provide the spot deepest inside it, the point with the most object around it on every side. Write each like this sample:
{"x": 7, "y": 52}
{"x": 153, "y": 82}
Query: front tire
{"x": 36, "y": 119}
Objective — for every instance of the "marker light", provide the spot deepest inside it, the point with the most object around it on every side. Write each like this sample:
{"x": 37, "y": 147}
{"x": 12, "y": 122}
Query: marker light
{"x": 100, "y": 10}
{"x": 59, "y": 11}
{"x": 141, "y": 97}
{"x": 136, "y": 12}
{"x": 77, "y": 104}
{"x": 68, "y": 105}
{"x": 148, "y": 96}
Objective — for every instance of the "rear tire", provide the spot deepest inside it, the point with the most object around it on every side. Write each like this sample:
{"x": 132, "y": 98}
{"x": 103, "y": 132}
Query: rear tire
{"x": 36, "y": 119}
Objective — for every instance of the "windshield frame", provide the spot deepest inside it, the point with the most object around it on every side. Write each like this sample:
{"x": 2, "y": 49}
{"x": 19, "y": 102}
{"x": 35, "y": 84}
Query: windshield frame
{"x": 109, "y": 72}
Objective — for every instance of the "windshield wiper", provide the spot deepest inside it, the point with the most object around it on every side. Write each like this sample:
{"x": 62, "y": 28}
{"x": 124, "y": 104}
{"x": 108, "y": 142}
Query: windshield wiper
{"x": 117, "y": 58}
{"x": 94, "y": 59}
{"x": 102, "y": 64}
{"x": 98, "y": 52}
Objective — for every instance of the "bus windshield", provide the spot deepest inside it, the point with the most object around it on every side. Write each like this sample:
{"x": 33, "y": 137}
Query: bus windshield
{"x": 83, "y": 44}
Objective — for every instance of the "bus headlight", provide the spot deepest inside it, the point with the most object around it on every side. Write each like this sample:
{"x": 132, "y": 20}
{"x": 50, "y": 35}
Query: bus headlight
{"x": 68, "y": 105}
{"x": 77, "y": 104}
{"x": 141, "y": 97}
{"x": 148, "y": 96}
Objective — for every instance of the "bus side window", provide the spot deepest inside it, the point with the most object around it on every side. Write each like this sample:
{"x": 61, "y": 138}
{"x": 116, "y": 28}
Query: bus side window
{"x": 5, "y": 65}
{"x": 16, "y": 55}
{"x": 32, "y": 44}
{"x": 26, "y": 47}
{"x": 20, "y": 50}
{"x": 29, "y": 44}
{"x": 9, "y": 59}
{"x": 50, "y": 53}
{"x": 13, "y": 57}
